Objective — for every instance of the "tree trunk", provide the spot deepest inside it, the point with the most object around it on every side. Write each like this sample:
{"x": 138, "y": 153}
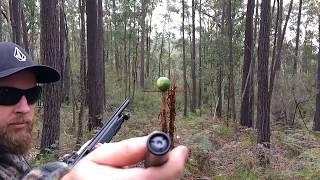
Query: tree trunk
{"x": 169, "y": 55}
{"x": 135, "y": 65}
{"x": 160, "y": 68}
{"x": 95, "y": 78}
{"x": 148, "y": 49}
{"x": 50, "y": 55}
{"x": 125, "y": 60}
{"x": 230, "y": 73}
{"x": 65, "y": 67}
{"x": 190, "y": 47}
{"x": 147, "y": 67}
{"x": 82, "y": 81}
{"x": 245, "y": 114}
{"x": 25, "y": 31}
{"x": 16, "y": 20}
{"x": 134, "y": 56}
{"x": 253, "y": 66}
{"x": 101, "y": 81}
{"x": 193, "y": 60}
{"x": 68, "y": 81}
{"x": 185, "y": 85}
{"x": 200, "y": 61}
{"x": 316, "y": 123}
{"x": 129, "y": 58}
{"x": 263, "y": 102}
{"x": 277, "y": 31}
{"x": 108, "y": 28}
{"x": 220, "y": 68}
{"x": 114, "y": 37}
{"x": 32, "y": 9}
{"x": 142, "y": 39}
{"x": 297, "y": 39}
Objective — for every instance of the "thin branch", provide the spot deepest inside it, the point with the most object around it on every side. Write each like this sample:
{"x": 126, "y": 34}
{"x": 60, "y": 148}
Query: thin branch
{"x": 4, "y": 15}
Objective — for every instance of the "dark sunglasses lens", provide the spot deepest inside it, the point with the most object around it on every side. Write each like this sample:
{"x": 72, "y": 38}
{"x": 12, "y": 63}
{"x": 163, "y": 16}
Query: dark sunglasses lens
{"x": 9, "y": 96}
{"x": 33, "y": 94}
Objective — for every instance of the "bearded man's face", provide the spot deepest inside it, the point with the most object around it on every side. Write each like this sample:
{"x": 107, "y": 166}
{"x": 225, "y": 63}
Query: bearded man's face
{"x": 16, "y": 140}
{"x": 16, "y": 121}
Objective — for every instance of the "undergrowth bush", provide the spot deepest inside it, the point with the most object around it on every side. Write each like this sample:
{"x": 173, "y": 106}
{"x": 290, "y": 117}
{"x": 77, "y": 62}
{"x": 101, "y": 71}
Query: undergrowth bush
{"x": 225, "y": 132}
{"x": 200, "y": 164}
{"x": 43, "y": 158}
{"x": 245, "y": 173}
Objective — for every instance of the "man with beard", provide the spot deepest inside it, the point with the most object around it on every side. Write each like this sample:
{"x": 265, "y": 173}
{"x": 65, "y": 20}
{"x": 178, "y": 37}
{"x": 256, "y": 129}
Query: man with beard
{"x": 19, "y": 93}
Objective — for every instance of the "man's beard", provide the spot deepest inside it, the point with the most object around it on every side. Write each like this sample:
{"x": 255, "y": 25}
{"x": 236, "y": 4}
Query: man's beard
{"x": 16, "y": 140}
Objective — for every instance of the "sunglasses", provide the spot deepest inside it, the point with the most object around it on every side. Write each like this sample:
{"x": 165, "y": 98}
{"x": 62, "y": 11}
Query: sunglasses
{"x": 11, "y": 96}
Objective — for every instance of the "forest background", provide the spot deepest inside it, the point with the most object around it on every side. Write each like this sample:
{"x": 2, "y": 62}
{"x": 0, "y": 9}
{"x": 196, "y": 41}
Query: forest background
{"x": 248, "y": 75}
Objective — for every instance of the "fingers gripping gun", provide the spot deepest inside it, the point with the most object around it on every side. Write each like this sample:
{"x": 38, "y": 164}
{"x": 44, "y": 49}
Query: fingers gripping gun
{"x": 107, "y": 132}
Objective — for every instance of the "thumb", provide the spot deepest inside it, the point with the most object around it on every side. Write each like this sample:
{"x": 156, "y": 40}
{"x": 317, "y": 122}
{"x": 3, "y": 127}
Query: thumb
{"x": 121, "y": 153}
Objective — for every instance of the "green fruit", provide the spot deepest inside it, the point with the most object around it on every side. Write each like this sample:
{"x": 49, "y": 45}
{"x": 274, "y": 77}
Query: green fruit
{"x": 163, "y": 83}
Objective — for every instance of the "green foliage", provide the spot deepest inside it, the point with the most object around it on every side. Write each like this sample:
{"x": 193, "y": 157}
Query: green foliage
{"x": 42, "y": 158}
{"x": 201, "y": 164}
{"x": 294, "y": 144}
{"x": 310, "y": 174}
{"x": 246, "y": 174}
{"x": 310, "y": 158}
{"x": 199, "y": 141}
{"x": 225, "y": 132}
{"x": 148, "y": 102}
{"x": 280, "y": 175}
{"x": 249, "y": 140}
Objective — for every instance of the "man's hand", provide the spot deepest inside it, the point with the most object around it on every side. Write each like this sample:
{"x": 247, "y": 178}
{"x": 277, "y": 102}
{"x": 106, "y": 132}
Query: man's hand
{"x": 110, "y": 161}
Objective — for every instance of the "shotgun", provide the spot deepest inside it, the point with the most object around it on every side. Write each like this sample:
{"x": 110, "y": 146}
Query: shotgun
{"x": 108, "y": 131}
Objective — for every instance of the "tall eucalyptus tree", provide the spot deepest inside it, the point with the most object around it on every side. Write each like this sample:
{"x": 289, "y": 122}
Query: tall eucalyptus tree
{"x": 193, "y": 60}
{"x": 144, "y": 6}
{"x": 185, "y": 84}
{"x": 50, "y": 55}
{"x": 231, "y": 92}
{"x": 263, "y": 103}
{"x": 96, "y": 93}
{"x": 220, "y": 64}
{"x": 15, "y": 17}
{"x": 246, "y": 112}
{"x": 316, "y": 121}
{"x": 297, "y": 39}
{"x": 83, "y": 69}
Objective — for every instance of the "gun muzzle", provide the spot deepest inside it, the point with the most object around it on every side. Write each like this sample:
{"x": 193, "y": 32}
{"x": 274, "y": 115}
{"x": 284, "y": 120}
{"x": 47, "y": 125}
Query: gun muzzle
{"x": 158, "y": 145}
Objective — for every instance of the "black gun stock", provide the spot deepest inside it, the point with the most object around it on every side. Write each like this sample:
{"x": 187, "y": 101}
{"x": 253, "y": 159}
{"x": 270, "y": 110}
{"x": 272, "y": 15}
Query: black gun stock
{"x": 108, "y": 131}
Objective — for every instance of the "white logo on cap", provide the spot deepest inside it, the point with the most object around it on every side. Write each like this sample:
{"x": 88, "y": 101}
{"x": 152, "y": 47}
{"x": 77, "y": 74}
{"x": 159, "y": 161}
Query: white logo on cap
{"x": 19, "y": 55}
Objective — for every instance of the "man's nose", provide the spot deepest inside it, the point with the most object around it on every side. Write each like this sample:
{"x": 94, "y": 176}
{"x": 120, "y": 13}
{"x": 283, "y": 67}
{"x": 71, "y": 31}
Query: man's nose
{"x": 22, "y": 106}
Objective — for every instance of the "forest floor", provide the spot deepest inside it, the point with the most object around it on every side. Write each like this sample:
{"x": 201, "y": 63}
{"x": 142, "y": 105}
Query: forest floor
{"x": 218, "y": 150}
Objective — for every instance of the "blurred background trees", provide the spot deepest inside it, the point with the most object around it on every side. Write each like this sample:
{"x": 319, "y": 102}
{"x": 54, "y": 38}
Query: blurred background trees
{"x": 253, "y": 63}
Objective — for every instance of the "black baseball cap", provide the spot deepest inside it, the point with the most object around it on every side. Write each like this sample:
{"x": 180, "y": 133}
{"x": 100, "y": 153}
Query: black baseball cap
{"x": 14, "y": 58}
